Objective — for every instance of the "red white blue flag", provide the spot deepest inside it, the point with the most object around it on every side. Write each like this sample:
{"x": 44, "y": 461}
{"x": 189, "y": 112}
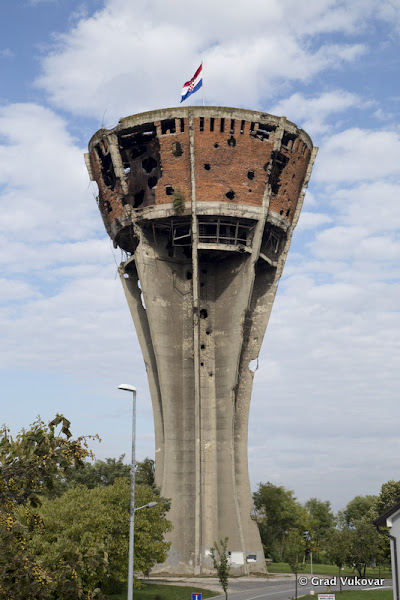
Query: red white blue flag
{"x": 194, "y": 84}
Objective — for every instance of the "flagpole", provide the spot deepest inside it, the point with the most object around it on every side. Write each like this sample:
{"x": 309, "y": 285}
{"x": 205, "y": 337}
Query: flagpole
{"x": 203, "y": 81}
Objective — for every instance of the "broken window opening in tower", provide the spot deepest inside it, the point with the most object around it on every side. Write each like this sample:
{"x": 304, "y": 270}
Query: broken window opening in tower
{"x": 181, "y": 233}
{"x": 272, "y": 241}
{"x": 225, "y": 230}
{"x": 107, "y": 167}
{"x": 261, "y": 131}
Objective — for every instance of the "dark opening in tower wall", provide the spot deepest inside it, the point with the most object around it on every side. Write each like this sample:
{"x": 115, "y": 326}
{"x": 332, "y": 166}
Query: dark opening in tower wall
{"x": 149, "y": 164}
{"x": 138, "y": 199}
{"x": 107, "y": 167}
{"x": 177, "y": 149}
{"x": 168, "y": 126}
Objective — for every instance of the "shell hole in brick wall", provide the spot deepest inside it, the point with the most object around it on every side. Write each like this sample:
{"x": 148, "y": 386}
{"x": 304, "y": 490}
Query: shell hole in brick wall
{"x": 232, "y": 142}
{"x": 281, "y": 212}
{"x": 177, "y": 149}
{"x": 169, "y": 190}
{"x": 222, "y": 128}
{"x": 138, "y": 199}
{"x": 216, "y": 145}
{"x": 202, "y": 364}
{"x": 152, "y": 182}
{"x": 168, "y": 126}
{"x": 189, "y": 275}
{"x": 207, "y": 166}
{"x": 250, "y": 174}
{"x": 203, "y": 347}
{"x": 137, "y": 151}
{"x": 126, "y": 276}
{"x": 264, "y": 131}
{"x": 208, "y": 332}
{"x": 123, "y": 201}
{"x": 108, "y": 206}
{"x": 212, "y": 121}
{"x": 182, "y": 125}
{"x": 210, "y": 373}
{"x": 288, "y": 212}
{"x": 201, "y": 123}
{"x": 230, "y": 195}
{"x": 149, "y": 164}
{"x": 203, "y": 314}
{"x": 288, "y": 140}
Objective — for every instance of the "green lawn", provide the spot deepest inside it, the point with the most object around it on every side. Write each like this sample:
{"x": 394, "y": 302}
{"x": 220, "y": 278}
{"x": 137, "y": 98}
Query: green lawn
{"x": 358, "y": 595}
{"x": 384, "y": 572}
{"x": 164, "y": 592}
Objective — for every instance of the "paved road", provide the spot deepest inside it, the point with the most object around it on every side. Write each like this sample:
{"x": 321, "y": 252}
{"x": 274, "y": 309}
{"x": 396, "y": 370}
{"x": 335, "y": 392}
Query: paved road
{"x": 282, "y": 589}
{"x": 285, "y": 589}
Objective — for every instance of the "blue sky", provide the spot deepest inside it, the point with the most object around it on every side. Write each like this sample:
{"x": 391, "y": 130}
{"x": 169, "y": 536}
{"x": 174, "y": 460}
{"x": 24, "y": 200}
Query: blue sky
{"x": 325, "y": 411}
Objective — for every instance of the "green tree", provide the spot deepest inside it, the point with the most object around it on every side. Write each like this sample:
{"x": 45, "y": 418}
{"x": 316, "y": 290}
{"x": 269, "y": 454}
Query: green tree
{"x": 220, "y": 558}
{"x": 145, "y": 472}
{"x": 322, "y": 522}
{"x": 338, "y": 549}
{"x": 295, "y": 552}
{"x": 85, "y": 540}
{"x": 29, "y": 464}
{"x": 276, "y": 511}
{"x": 102, "y": 472}
{"x": 356, "y": 509}
{"x": 364, "y": 546}
{"x": 388, "y": 497}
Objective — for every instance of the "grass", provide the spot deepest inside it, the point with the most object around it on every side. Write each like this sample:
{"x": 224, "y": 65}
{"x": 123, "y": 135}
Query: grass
{"x": 319, "y": 569}
{"x": 164, "y": 592}
{"x": 358, "y": 595}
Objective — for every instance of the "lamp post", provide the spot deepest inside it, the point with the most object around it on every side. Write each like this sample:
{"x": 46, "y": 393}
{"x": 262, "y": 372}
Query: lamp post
{"x": 130, "y": 388}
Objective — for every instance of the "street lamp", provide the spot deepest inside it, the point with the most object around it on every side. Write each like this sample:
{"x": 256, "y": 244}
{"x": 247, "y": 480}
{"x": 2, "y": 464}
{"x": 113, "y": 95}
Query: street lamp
{"x": 130, "y": 388}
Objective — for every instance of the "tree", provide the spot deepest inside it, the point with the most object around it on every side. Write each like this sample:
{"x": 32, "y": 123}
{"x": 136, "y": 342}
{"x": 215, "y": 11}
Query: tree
{"x": 145, "y": 472}
{"x": 85, "y": 540}
{"x": 322, "y": 521}
{"x": 102, "y": 472}
{"x": 388, "y": 497}
{"x": 363, "y": 546}
{"x": 294, "y": 552}
{"x": 338, "y": 549}
{"x": 220, "y": 558}
{"x": 276, "y": 511}
{"x": 29, "y": 465}
{"x": 356, "y": 509}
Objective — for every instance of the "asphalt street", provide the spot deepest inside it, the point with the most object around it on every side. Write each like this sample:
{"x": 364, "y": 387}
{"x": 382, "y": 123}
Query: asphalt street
{"x": 249, "y": 588}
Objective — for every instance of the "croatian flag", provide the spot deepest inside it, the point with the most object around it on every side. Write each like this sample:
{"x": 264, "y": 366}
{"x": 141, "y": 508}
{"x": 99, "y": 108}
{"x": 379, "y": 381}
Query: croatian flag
{"x": 194, "y": 84}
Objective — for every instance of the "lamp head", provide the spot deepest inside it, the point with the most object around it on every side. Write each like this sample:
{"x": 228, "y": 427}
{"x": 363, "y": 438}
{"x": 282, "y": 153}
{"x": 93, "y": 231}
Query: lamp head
{"x": 128, "y": 388}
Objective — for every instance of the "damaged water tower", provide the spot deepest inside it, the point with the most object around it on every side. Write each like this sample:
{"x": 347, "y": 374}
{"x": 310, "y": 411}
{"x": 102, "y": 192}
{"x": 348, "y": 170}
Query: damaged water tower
{"x": 203, "y": 200}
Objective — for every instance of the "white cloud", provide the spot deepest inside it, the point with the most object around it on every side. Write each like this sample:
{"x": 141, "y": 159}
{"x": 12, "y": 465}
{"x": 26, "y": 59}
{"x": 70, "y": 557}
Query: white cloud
{"x": 312, "y": 113}
{"x": 311, "y": 220}
{"x": 45, "y": 193}
{"x": 356, "y": 155}
{"x": 127, "y": 58}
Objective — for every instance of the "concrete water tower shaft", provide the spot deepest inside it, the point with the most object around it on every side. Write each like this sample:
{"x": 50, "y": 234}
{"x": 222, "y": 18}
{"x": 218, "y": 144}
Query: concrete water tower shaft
{"x": 203, "y": 200}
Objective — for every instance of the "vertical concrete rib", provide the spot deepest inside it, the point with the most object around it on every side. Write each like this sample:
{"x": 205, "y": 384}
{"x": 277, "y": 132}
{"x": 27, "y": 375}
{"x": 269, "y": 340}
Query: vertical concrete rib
{"x": 196, "y": 350}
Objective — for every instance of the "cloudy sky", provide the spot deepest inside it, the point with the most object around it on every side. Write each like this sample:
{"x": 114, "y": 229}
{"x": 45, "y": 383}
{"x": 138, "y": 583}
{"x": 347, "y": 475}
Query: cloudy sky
{"x": 325, "y": 414}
